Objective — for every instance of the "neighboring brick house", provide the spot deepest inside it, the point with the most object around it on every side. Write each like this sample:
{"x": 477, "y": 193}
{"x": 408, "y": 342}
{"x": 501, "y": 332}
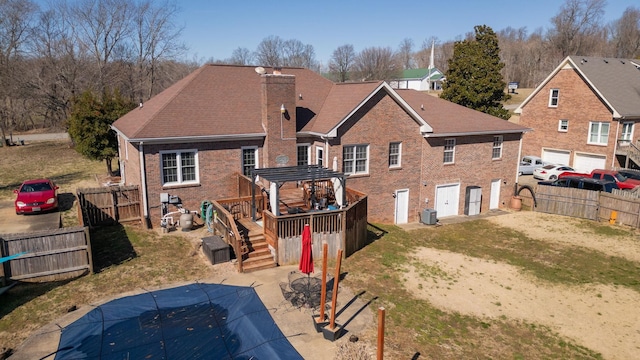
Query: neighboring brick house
{"x": 406, "y": 150}
{"x": 584, "y": 113}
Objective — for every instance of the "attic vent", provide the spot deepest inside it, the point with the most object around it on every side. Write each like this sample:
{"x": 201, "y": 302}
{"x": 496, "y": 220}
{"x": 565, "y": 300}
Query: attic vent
{"x": 605, "y": 61}
{"x": 622, "y": 61}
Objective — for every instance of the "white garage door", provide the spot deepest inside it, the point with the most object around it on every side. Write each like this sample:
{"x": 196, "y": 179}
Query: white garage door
{"x": 588, "y": 162}
{"x": 447, "y": 197}
{"x": 556, "y": 156}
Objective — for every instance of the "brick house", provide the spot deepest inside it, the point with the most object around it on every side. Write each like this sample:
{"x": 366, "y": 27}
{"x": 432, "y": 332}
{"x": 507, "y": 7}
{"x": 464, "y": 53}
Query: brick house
{"x": 584, "y": 114}
{"x": 406, "y": 150}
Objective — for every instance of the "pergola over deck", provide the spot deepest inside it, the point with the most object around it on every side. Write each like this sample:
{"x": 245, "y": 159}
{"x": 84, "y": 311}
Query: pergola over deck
{"x": 280, "y": 175}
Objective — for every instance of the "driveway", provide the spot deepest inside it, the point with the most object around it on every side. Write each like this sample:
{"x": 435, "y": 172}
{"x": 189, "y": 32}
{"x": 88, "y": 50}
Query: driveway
{"x": 10, "y": 223}
{"x": 38, "y": 137}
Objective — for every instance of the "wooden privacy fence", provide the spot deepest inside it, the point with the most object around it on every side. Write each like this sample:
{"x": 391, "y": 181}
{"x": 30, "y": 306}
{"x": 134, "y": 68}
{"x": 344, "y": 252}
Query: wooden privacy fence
{"x": 567, "y": 201}
{"x": 50, "y": 255}
{"x": 627, "y": 208}
{"x": 589, "y": 204}
{"x": 109, "y": 205}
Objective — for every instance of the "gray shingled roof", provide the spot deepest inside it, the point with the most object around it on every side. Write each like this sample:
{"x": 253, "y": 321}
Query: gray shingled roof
{"x": 616, "y": 80}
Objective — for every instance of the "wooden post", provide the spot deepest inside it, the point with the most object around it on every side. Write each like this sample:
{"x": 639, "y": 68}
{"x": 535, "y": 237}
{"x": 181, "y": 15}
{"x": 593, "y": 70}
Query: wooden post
{"x": 380, "y": 333}
{"x": 323, "y": 290}
{"x": 87, "y": 239}
{"x": 334, "y": 297}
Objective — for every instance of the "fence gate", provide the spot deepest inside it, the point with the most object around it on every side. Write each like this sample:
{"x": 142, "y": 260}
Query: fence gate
{"x": 109, "y": 205}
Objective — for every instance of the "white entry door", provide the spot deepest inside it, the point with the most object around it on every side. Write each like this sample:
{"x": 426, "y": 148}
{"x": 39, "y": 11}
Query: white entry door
{"x": 494, "y": 202}
{"x": 402, "y": 206}
{"x": 447, "y": 198}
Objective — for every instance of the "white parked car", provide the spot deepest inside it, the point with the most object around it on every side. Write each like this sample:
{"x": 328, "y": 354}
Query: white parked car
{"x": 550, "y": 172}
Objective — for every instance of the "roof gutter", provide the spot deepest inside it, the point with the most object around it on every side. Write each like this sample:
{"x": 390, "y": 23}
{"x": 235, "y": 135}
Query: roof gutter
{"x": 192, "y": 139}
{"x": 488, "y": 132}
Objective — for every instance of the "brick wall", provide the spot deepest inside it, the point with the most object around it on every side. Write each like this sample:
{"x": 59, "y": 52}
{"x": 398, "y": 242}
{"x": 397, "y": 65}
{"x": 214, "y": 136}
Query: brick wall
{"x": 383, "y": 121}
{"x": 579, "y": 105}
{"x": 378, "y": 123}
{"x": 473, "y": 166}
{"x": 280, "y": 143}
{"x": 218, "y": 165}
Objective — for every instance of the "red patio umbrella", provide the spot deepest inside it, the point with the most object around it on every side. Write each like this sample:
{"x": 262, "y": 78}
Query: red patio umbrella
{"x": 306, "y": 257}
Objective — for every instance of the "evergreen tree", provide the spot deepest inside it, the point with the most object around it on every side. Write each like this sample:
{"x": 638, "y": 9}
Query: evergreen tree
{"x": 90, "y": 125}
{"x": 474, "y": 79}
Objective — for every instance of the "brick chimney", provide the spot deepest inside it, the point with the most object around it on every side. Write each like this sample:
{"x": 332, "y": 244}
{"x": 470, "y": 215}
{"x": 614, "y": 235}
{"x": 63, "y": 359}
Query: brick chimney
{"x": 279, "y": 119}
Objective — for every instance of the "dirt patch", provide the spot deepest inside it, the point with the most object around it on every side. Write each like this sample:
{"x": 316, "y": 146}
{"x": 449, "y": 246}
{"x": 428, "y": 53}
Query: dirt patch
{"x": 595, "y": 316}
{"x": 568, "y": 231}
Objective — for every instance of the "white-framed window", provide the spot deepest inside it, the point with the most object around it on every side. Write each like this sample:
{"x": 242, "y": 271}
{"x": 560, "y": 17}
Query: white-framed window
{"x": 303, "y": 154}
{"x": 355, "y": 159}
{"x": 179, "y": 167}
{"x": 626, "y": 135}
{"x": 496, "y": 152}
{"x": 598, "y": 133}
{"x": 554, "y": 95}
{"x": 563, "y": 125}
{"x": 395, "y": 154}
{"x": 249, "y": 159}
{"x": 319, "y": 156}
{"x": 449, "y": 151}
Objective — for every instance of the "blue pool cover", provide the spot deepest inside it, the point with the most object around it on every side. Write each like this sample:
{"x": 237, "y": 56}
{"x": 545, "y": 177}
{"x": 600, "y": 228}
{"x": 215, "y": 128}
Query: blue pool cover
{"x": 196, "y": 321}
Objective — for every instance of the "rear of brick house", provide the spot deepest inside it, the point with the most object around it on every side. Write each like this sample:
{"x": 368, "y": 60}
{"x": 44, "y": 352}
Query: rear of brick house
{"x": 406, "y": 150}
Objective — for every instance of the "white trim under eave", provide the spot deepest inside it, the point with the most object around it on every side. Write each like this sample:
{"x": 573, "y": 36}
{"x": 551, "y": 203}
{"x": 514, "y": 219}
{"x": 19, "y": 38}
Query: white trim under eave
{"x": 488, "y": 132}
{"x": 192, "y": 139}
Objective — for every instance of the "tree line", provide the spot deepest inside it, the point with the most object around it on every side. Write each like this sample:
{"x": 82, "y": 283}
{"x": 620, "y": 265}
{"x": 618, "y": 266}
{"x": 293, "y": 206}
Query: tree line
{"x": 50, "y": 56}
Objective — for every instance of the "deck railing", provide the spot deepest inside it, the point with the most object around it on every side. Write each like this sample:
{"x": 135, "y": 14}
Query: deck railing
{"x": 342, "y": 229}
{"x": 225, "y": 223}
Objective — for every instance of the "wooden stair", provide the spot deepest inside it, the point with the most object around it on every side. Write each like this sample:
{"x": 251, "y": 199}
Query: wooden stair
{"x": 257, "y": 256}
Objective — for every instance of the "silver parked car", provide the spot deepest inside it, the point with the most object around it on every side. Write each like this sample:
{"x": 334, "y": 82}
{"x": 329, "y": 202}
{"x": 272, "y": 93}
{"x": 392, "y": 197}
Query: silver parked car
{"x": 530, "y": 163}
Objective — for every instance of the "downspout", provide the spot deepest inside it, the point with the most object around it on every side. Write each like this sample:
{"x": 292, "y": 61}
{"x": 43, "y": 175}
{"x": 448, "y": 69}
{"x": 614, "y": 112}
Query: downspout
{"x": 515, "y": 186}
{"x": 143, "y": 178}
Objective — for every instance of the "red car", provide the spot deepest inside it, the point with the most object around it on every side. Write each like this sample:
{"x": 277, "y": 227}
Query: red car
{"x": 36, "y": 196}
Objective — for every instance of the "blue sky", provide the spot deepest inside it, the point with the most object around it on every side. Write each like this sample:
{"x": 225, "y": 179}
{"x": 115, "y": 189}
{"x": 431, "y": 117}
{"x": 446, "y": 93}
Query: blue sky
{"x": 213, "y": 29}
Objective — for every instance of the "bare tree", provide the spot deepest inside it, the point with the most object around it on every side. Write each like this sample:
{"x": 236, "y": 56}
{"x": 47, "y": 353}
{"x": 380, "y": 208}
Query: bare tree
{"x": 341, "y": 62}
{"x": 376, "y": 63}
{"x": 55, "y": 69}
{"x": 100, "y": 29}
{"x": 626, "y": 34}
{"x": 156, "y": 39}
{"x": 15, "y": 25}
{"x": 295, "y": 53}
{"x": 269, "y": 51}
{"x": 577, "y": 23}
{"x": 511, "y": 41}
{"x": 405, "y": 54}
{"x": 241, "y": 56}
